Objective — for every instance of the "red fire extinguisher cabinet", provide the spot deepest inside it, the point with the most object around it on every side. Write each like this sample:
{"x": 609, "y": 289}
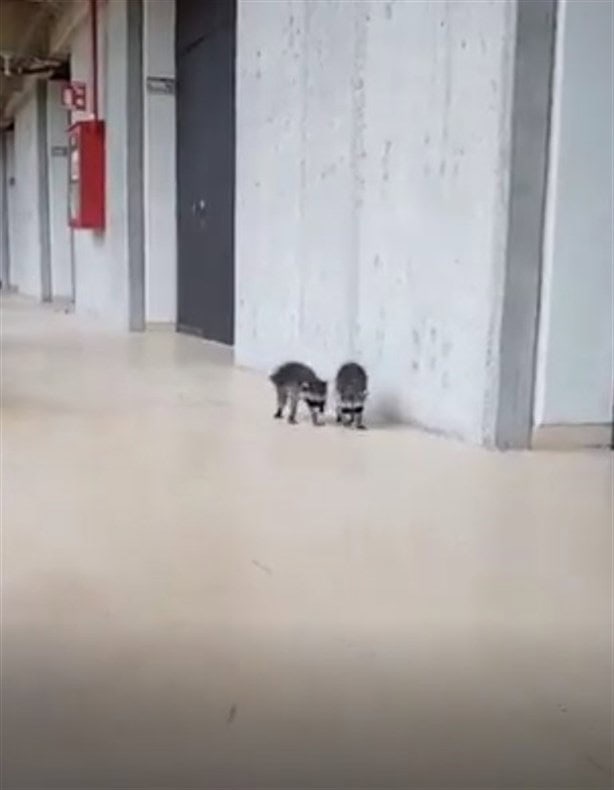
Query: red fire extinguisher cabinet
{"x": 86, "y": 175}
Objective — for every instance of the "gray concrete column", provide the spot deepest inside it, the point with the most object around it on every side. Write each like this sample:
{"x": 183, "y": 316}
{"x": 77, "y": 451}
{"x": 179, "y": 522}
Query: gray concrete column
{"x": 43, "y": 190}
{"x": 135, "y": 161}
{"x": 530, "y": 119}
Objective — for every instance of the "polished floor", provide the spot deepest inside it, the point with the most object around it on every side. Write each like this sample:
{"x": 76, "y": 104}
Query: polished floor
{"x": 198, "y": 596}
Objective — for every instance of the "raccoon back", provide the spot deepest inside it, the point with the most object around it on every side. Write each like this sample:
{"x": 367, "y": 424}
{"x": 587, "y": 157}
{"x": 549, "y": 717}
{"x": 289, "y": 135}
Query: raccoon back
{"x": 292, "y": 373}
{"x": 351, "y": 377}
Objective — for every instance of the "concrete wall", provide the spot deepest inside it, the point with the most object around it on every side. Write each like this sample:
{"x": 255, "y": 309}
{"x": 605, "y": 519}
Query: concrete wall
{"x": 60, "y": 235}
{"x": 371, "y": 197}
{"x": 25, "y": 197}
{"x": 159, "y": 166}
{"x": 574, "y": 374}
{"x": 101, "y": 259}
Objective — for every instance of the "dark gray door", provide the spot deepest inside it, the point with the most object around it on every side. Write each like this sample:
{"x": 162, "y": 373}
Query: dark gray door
{"x": 205, "y": 53}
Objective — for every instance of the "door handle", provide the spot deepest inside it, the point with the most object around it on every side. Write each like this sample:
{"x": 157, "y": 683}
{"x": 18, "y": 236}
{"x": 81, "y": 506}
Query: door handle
{"x": 199, "y": 210}
{"x": 199, "y": 207}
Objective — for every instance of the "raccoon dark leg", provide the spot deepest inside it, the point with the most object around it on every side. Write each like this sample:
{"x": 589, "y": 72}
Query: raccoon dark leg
{"x": 282, "y": 398}
{"x": 314, "y": 411}
{"x": 346, "y": 416}
{"x": 294, "y": 401}
{"x": 358, "y": 418}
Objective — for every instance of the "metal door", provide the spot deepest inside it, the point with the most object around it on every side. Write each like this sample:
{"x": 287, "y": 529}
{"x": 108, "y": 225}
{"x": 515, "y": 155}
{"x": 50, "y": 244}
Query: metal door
{"x": 205, "y": 52}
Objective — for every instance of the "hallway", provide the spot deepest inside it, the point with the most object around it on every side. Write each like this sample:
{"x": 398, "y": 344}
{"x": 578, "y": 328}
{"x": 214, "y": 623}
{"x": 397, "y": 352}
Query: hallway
{"x": 198, "y": 596}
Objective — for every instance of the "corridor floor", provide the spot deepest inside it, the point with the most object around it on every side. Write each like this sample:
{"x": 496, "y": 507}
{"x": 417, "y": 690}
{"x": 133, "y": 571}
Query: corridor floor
{"x": 198, "y": 596}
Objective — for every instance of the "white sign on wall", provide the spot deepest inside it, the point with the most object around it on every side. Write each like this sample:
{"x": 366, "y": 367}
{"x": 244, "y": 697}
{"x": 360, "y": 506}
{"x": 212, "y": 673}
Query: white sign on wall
{"x": 161, "y": 85}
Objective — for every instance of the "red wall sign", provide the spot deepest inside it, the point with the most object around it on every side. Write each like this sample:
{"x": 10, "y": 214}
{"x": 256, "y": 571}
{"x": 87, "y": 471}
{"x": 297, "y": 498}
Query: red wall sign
{"x": 74, "y": 96}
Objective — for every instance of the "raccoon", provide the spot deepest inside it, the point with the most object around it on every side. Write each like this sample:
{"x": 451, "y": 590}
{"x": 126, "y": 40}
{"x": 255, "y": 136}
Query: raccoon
{"x": 351, "y": 385}
{"x": 294, "y": 382}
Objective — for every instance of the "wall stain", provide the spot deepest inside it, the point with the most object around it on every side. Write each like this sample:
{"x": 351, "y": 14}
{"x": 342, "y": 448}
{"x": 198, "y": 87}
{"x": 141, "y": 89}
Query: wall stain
{"x": 447, "y": 62}
{"x": 386, "y": 160}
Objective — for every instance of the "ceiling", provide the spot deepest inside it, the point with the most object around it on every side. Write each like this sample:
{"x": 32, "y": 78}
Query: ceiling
{"x": 25, "y": 27}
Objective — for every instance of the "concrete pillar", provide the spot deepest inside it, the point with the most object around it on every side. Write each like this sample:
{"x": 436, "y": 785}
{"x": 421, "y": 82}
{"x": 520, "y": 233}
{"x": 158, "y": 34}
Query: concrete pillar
{"x": 159, "y": 163}
{"x": 26, "y": 234}
{"x": 60, "y": 234}
{"x": 109, "y": 270}
{"x": 42, "y": 144}
{"x": 515, "y": 357}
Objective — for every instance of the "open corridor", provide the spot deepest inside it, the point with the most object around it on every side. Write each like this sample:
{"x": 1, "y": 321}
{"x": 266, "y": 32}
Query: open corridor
{"x": 198, "y": 596}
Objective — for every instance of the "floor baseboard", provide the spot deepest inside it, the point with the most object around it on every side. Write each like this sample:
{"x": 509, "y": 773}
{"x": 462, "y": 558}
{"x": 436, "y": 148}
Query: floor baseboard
{"x": 572, "y": 437}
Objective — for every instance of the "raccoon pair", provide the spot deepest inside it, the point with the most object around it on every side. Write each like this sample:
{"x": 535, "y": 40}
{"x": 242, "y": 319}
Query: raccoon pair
{"x": 294, "y": 382}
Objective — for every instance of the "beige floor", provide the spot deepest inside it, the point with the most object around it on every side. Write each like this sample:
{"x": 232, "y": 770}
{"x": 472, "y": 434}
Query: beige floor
{"x": 195, "y": 595}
